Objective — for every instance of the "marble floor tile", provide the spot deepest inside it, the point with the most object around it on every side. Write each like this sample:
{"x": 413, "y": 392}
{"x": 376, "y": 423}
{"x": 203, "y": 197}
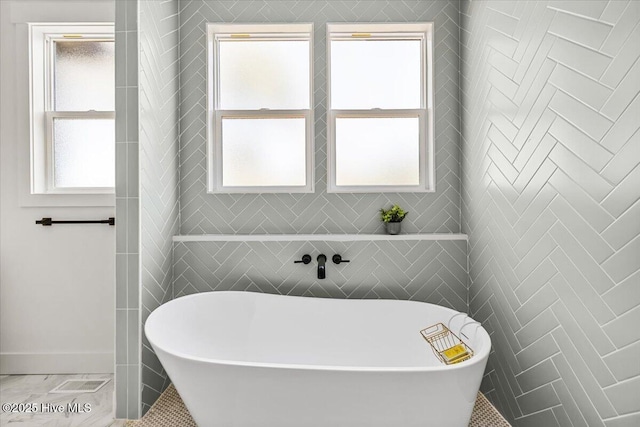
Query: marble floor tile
{"x": 34, "y": 391}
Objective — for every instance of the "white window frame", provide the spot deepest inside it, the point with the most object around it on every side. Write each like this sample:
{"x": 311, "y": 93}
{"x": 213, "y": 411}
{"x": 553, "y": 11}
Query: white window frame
{"x": 215, "y": 114}
{"x": 422, "y": 31}
{"x": 42, "y": 38}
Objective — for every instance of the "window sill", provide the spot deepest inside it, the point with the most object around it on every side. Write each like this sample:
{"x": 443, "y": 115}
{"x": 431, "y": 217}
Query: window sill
{"x": 67, "y": 200}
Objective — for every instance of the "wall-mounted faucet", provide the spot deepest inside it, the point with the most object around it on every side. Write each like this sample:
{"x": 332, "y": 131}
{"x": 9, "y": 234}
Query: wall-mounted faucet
{"x": 322, "y": 260}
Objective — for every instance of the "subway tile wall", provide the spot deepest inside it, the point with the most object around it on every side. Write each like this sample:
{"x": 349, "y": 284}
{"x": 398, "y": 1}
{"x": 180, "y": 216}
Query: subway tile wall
{"x": 551, "y": 188}
{"x": 319, "y": 212}
{"x": 127, "y": 345}
{"x": 159, "y": 171}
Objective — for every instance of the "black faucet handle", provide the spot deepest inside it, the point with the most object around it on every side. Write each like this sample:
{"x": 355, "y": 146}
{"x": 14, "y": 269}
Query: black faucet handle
{"x": 337, "y": 259}
{"x": 306, "y": 259}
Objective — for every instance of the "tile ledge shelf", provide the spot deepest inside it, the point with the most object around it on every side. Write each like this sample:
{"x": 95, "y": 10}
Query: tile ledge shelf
{"x": 314, "y": 237}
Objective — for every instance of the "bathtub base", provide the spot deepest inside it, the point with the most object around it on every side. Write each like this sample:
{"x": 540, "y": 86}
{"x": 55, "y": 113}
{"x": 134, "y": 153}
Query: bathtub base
{"x": 229, "y": 396}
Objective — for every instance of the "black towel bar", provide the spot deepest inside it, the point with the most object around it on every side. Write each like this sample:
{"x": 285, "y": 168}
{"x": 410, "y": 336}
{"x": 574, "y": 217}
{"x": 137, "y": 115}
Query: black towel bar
{"x": 48, "y": 221}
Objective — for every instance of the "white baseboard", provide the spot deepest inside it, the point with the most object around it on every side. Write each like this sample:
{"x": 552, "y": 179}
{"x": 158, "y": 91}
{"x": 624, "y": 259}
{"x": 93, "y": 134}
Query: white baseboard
{"x": 56, "y": 363}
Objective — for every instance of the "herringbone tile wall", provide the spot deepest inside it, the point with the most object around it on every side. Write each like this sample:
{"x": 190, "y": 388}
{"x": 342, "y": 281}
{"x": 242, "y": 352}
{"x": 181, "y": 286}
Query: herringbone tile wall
{"x": 319, "y": 212}
{"x": 430, "y": 271}
{"x": 159, "y": 169}
{"x": 550, "y": 177}
{"x": 551, "y": 182}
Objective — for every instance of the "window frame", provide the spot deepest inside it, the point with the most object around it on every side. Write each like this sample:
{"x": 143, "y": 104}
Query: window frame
{"x": 42, "y": 38}
{"x": 215, "y": 115}
{"x": 423, "y": 32}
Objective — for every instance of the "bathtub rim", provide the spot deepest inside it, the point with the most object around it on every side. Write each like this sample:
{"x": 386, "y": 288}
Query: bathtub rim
{"x": 479, "y": 357}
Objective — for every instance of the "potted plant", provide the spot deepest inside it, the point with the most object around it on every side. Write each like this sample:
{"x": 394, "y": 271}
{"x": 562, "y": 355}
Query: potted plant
{"x": 392, "y": 218}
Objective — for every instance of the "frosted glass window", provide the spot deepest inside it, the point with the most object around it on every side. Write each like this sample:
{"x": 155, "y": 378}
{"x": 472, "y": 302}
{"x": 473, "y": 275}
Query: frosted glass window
{"x": 84, "y": 76}
{"x": 380, "y": 116}
{"x": 257, "y": 74}
{"x": 72, "y": 111}
{"x": 263, "y": 152}
{"x": 368, "y": 74}
{"x": 377, "y": 151}
{"x": 84, "y": 153}
{"x": 259, "y": 123}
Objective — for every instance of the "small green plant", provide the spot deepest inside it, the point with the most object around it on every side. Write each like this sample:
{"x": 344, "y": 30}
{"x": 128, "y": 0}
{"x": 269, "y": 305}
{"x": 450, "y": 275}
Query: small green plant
{"x": 395, "y": 214}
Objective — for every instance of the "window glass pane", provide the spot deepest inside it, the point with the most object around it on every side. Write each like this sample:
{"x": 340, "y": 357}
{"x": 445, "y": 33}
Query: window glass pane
{"x": 84, "y": 152}
{"x": 263, "y": 152}
{"x": 369, "y": 74}
{"x": 84, "y": 76}
{"x": 377, "y": 151}
{"x": 264, "y": 74}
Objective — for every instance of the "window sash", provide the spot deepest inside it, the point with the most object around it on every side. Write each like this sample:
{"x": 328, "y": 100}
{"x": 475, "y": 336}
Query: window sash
{"x": 214, "y": 157}
{"x": 245, "y": 33}
{"x": 50, "y": 59}
{"x": 231, "y": 37}
{"x": 381, "y": 36}
{"x": 50, "y": 116}
{"x": 424, "y": 150}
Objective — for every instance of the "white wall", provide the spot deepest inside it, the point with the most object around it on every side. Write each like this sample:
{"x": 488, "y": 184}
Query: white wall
{"x": 56, "y": 283}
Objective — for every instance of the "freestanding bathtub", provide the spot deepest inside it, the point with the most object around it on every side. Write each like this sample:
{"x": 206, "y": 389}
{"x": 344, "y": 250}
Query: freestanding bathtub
{"x": 242, "y": 359}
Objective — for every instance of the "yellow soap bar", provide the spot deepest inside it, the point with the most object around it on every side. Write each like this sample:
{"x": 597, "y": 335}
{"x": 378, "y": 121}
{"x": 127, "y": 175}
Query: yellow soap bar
{"x": 456, "y": 352}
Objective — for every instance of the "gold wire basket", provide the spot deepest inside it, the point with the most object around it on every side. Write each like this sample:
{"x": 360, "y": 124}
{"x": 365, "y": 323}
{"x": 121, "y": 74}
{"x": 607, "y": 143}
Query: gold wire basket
{"x": 446, "y": 345}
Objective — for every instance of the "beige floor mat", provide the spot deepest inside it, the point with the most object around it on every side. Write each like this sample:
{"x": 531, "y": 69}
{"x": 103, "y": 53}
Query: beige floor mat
{"x": 169, "y": 411}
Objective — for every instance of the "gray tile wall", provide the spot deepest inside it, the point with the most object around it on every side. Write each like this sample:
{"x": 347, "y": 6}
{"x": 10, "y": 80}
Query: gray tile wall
{"x": 551, "y": 179}
{"x": 127, "y": 345}
{"x": 318, "y": 212}
{"x": 429, "y": 271}
{"x": 159, "y": 171}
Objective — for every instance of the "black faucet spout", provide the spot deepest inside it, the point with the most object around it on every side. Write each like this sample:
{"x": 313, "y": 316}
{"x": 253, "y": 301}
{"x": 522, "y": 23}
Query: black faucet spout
{"x": 322, "y": 260}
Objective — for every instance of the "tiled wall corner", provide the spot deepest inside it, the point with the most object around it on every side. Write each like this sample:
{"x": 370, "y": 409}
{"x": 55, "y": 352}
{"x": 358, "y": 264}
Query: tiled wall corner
{"x": 319, "y": 212}
{"x": 159, "y": 172}
{"x": 127, "y": 345}
{"x": 551, "y": 204}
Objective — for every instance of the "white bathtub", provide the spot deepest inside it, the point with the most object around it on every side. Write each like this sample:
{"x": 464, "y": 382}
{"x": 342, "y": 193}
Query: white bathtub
{"x": 241, "y": 359}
